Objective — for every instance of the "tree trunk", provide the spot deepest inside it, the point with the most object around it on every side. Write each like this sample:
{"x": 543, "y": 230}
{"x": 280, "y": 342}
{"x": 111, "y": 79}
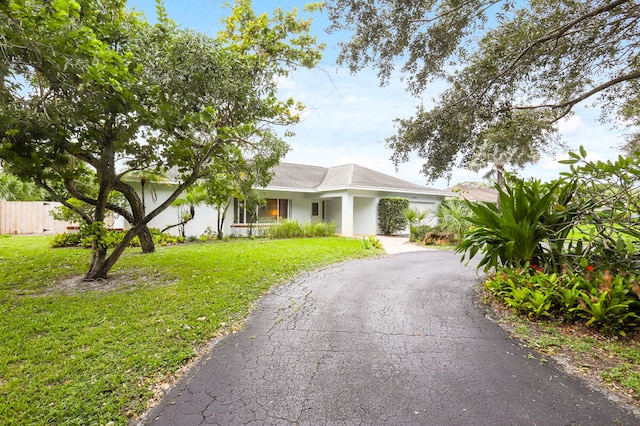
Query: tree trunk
{"x": 500, "y": 180}
{"x": 221, "y": 219}
{"x": 98, "y": 258}
{"x": 500, "y": 175}
{"x": 146, "y": 240}
{"x": 138, "y": 211}
{"x": 101, "y": 264}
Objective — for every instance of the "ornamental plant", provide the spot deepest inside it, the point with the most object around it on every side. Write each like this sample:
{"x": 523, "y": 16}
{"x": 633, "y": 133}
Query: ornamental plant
{"x": 391, "y": 216}
{"x": 611, "y": 303}
{"x": 527, "y": 227}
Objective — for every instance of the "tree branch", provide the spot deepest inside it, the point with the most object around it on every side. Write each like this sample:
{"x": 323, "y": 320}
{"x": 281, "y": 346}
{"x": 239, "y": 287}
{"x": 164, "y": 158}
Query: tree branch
{"x": 68, "y": 184}
{"x": 567, "y": 105}
{"x": 449, "y": 12}
{"x": 41, "y": 184}
{"x": 184, "y": 185}
{"x": 561, "y": 31}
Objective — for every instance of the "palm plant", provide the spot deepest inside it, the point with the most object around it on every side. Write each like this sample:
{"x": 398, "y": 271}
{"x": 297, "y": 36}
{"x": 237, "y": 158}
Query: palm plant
{"x": 193, "y": 197}
{"x": 415, "y": 218}
{"x": 452, "y": 217}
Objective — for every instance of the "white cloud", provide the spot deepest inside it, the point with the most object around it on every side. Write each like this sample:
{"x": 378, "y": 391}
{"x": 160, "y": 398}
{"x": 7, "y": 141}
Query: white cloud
{"x": 348, "y": 118}
{"x": 573, "y": 124}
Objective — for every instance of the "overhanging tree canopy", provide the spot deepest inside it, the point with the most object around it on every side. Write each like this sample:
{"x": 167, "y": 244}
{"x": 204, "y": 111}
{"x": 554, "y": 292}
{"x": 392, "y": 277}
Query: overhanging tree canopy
{"x": 513, "y": 69}
{"x": 89, "y": 88}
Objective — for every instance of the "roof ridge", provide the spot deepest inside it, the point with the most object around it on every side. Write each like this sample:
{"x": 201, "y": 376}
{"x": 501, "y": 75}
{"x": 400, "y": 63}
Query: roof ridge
{"x": 303, "y": 165}
{"x": 352, "y": 166}
{"x": 396, "y": 178}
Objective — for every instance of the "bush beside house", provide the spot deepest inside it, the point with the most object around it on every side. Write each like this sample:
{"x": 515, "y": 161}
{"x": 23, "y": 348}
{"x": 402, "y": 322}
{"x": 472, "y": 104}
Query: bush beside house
{"x": 391, "y": 218}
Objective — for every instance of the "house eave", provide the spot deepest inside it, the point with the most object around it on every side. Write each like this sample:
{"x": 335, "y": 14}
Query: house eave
{"x": 438, "y": 193}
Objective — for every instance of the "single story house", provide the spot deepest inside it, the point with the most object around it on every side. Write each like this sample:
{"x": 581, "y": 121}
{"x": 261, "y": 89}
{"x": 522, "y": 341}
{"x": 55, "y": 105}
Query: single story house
{"x": 347, "y": 195}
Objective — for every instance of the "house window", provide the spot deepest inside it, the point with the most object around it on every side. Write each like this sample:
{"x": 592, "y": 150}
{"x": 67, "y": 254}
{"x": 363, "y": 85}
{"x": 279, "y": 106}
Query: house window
{"x": 274, "y": 210}
{"x": 314, "y": 209}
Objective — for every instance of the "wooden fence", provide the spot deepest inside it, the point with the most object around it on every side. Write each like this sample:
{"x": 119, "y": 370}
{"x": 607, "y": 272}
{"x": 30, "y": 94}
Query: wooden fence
{"x": 30, "y": 217}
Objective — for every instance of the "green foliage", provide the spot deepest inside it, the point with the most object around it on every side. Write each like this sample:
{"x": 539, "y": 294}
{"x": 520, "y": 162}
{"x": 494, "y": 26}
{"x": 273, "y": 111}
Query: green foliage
{"x": 108, "y": 88}
{"x": 532, "y": 294}
{"x": 587, "y": 217}
{"x": 65, "y": 214}
{"x": 110, "y": 238}
{"x": 452, "y": 215}
{"x": 513, "y": 70}
{"x": 391, "y": 216}
{"x": 606, "y": 194}
{"x": 193, "y": 197}
{"x": 609, "y": 303}
{"x": 513, "y": 235}
{"x": 568, "y": 298}
{"x": 294, "y": 229}
{"x": 91, "y": 353}
{"x": 418, "y": 233}
{"x": 415, "y": 217}
{"x": 371, "y": 243}
{"x": 14, "y": 189}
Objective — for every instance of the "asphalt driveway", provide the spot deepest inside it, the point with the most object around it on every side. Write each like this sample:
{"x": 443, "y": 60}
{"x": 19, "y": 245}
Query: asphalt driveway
{"x": 392, "y": 340}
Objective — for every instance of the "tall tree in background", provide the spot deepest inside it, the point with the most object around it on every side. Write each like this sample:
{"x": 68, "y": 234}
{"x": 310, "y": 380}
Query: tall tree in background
{"x": 14, "y": 189}
{"x": 513, "y": 70}
{"x": 91, "y": 83}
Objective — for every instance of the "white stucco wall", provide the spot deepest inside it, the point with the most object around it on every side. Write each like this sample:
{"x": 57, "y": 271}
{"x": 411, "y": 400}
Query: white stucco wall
{"x": 205, "y": 216}
{"x": 333, "y": 212}
{"x": 430, "y": 207}
{"x": 364, "y": 208}
{"x": 365, "y": 217}
{"x": 301, "y": 209}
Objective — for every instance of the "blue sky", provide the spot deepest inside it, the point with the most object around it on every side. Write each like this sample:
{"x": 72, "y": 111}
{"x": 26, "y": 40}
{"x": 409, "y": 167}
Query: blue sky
{"x": 349, "y": 116}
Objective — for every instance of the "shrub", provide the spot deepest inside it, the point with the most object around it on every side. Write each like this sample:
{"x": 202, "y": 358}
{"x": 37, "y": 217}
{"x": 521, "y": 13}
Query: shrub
{"x": 391, "y": 216}
{"x": 606, "y": 193}
{"x": 414, "y": 218}
{"x": 286, "y": 229}
{"x": 208, "y": 235}
{"x": 293, "y": 229}
{"x": 111, "y": 238}
{"x": 72, "y": 239}
{"x": 371, "y": 243}
{"x": 419, "y": 232}
{"x": 452, "y": 217}
{"x": 529, "y": 226}
{"x": 610, "y": 303}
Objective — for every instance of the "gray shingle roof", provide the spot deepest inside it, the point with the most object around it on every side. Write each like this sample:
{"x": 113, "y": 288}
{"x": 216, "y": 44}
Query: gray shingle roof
{"x": 297, "y": 177}
{"x": 486, "y": 195}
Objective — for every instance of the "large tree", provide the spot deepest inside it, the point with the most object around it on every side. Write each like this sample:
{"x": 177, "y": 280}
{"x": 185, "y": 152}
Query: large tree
{"x": 513, "y": 69}
{"x": 90, "y": 85}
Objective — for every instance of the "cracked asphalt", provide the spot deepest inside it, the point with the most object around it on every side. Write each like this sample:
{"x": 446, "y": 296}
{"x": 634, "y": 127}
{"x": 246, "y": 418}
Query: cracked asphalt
{"x": 383, "y": 341}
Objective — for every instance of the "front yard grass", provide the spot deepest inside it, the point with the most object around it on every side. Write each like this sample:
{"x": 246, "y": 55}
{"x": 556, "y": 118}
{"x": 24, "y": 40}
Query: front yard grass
{"x": 78, "y": 353}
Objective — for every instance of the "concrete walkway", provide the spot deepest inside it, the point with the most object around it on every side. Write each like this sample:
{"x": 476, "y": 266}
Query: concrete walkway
{"x": 399, "y": 244}
{"x": 383, "y": 341}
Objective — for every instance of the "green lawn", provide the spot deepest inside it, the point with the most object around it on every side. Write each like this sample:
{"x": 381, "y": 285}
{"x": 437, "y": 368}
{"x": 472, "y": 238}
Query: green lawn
{"x": 92, "y": 357}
